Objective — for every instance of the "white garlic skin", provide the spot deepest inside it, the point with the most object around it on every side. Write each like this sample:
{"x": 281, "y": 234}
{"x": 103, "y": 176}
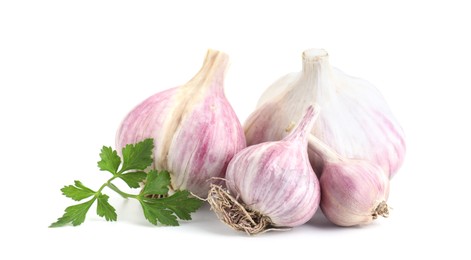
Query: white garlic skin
{"x": 276, "y": 178}
{"x": 351, "y": 191}
{"x": 196, "y": 132}
{"x": 355, "y": 120}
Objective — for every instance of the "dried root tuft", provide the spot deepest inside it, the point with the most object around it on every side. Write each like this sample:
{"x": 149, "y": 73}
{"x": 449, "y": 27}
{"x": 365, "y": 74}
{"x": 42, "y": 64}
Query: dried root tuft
{"x": 381, "y": 210}
{"x": 236, "y": 214}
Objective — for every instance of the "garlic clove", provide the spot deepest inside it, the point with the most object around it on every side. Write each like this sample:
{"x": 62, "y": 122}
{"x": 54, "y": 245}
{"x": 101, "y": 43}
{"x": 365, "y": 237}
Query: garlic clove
{"x": 195, "y": 129}
{"x": 355, "y": 121}
{"x": 354, "y": 192}
{"x": 274, "y": 183}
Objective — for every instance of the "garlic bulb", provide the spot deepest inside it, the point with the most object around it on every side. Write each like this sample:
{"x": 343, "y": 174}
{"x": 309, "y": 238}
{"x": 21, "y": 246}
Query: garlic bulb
{"x": 355, "y": 120}
{"x": 354, "y": 192}
{"x": 195, "y": 129}
{"x": 274, "y": 182}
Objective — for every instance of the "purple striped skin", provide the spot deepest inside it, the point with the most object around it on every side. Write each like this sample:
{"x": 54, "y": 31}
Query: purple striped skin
{"x": 351, "y": 191}
{"x": 276, "y": 178}
{"x": 145, "y": 119}
{"x": 196, "y": 132}
{"x": 355, "y": 121}
{"x": 204, "y": 143}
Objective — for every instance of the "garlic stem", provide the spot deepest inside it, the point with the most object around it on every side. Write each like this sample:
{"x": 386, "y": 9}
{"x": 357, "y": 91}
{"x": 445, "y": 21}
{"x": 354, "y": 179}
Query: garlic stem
{"x": 314, "y": 55}
{"x": 321, "y": 149}
{"x": 315, "y": 62}
{"x": 211, "y": 73}
{"x": 305, "y": 126}
{"x": 316, "y": 77}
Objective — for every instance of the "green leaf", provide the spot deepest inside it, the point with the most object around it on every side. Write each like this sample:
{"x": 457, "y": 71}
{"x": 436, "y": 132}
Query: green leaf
{"x": 110, "y": 160}
{"x": 166, "y": 210}
{"x": 104, "y": 209}
{"x": 77, "y": 192}
{"x": 155, "y": 212}
{"x": 138, "y": 156}
{"x": 182, "y": 203}
{"x": 157, "y": 183}
{"x": 133, "y": 179}
{"x": 74, "y": 214}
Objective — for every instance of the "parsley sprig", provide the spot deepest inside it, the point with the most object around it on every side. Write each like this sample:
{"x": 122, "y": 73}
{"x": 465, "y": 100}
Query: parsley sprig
{"x": 157, "y": 204}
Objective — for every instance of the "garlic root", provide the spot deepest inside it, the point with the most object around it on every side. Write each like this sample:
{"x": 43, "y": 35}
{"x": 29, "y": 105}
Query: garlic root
{"x": 236, "y": 214}
{"x": 382, "y": 210}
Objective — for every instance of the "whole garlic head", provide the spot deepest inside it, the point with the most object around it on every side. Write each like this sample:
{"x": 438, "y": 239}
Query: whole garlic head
{"x": 195, "y": 129}
{"x": 355, "y": 121}
{"x": 274, "y": 182}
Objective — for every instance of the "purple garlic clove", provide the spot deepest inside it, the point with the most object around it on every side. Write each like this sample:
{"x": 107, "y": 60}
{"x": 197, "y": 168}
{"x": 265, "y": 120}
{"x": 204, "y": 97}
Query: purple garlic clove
{"x": 274, "y": 182}
{"x": 354, "y": 192}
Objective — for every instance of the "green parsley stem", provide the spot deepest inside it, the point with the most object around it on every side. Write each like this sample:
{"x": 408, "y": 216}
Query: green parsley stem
{"x": 114, "y": 188}
{"x": 122, "y": 193}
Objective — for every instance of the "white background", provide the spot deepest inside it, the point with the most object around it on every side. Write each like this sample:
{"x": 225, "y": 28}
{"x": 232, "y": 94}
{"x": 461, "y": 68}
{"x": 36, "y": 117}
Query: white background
{"x": 71, "y": 70}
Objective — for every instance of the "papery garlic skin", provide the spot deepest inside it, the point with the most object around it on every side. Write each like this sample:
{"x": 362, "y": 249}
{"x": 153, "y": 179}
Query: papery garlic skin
{"x": 276, "y": 179}
{"x": 355, "y": 120}
{"x": 352, "y": 192}
{"x": 195, "y": 129}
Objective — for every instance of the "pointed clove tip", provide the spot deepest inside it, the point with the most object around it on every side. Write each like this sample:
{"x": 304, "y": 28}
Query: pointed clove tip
{"x": 213, "y": 52}
{"x": 216, "y": 58}
{"x": 313, "y": 111}
{"x": 305, "y": 124}
{"x": 314, "y": 54}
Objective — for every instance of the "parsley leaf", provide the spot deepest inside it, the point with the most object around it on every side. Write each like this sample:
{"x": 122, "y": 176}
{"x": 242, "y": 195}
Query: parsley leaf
{"x": 104, "y": 209}
{"x": 182, "y": 203}
{"x": 137, "y": 156}
{"x": 166, "y": 210}
{"x": 77, "y": 192}
{"x": 156, "y": 212}
{"x": 133, "y": 179}
{"x": 110, "y": 160}
{"x": 74, "y": 214}
{"x": 157, "y": 183}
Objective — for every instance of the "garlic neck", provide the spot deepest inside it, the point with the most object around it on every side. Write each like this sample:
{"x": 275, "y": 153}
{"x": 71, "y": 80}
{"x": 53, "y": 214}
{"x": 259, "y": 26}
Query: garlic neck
{"x": 211, "y": 74}
{"x": 316, "y": 76}
{"x": 304, "y": 127}
{"x": 315, "y": 64}
{"x": 322, "y": 150}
